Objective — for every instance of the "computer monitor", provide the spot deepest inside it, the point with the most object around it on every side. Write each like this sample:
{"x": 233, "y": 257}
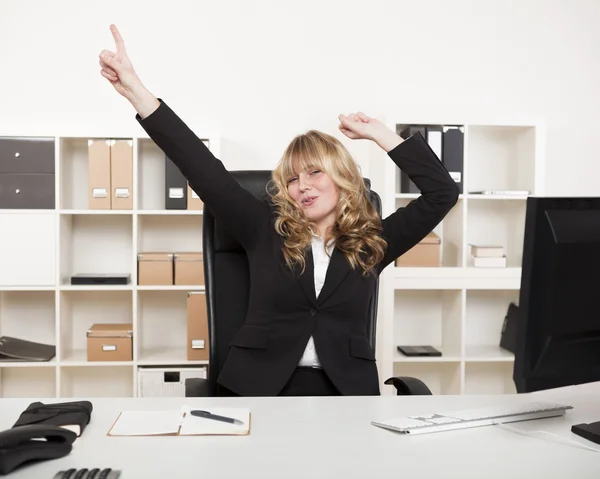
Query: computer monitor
{"x": 558, "y": 326}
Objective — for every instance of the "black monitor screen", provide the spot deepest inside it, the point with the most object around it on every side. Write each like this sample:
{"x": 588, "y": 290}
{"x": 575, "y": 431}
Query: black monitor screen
{"x": 558, "y": 332}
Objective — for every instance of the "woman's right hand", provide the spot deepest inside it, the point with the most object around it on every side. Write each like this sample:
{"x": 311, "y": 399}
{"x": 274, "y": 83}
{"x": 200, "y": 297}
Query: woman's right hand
{"x": 117, "y": 67}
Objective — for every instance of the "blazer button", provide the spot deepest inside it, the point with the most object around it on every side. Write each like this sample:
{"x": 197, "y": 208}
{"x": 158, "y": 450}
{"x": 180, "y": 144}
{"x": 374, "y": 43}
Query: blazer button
{"x": 313, "y": 312}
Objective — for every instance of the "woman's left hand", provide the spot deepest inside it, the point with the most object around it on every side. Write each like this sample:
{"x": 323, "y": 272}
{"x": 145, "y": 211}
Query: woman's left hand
{"x": 359, "y": 126}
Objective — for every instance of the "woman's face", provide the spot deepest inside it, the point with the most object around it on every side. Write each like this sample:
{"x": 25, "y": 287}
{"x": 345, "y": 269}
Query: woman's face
{"x": 316, "y": 195}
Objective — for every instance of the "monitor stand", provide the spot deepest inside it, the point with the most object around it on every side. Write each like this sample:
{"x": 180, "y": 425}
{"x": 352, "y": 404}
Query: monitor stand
{"x": 590, "y": 431}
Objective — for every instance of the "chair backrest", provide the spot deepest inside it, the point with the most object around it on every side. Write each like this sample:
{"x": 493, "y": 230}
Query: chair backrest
{"x": 227, "y": 278}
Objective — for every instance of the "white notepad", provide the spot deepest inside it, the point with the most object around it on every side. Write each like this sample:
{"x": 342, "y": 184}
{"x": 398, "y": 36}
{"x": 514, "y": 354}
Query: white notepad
{"x": 179, "y": 422}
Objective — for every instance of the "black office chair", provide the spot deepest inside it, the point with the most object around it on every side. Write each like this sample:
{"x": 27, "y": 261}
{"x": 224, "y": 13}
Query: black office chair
{"x": 226, "y": 276}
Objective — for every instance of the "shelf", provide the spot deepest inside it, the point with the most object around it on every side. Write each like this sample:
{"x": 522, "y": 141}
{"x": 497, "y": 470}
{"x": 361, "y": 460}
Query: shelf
{"x": 175, "y": 356}
{"x": 428, "y": 317}
{"x": 74, "y": 170}
{"x": 161, "y": 325}
{"x": 444, "y": 358}
{"x": 92, "y": 382}
{"x": 169, "y": 233}
{"x": 489, "y": 378}
{"x": 79, "y": 310}
{"x": 151, "y": 175}
{"x": 95, "y": 244}
{"x": 500, "y": 158}
{"x": 489, "y": 353}
{"x": 484, "y": 316}
{"x": 497, "y": 223}
{"x": 74, "y": 358}
{"x": 28, "y": 315}
{"x": 31, "y": 382}
{"x": 440, "y": 378}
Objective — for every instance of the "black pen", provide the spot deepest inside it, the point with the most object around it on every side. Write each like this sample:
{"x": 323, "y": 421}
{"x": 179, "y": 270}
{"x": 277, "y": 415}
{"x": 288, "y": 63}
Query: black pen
{"x": 207, "y": 415}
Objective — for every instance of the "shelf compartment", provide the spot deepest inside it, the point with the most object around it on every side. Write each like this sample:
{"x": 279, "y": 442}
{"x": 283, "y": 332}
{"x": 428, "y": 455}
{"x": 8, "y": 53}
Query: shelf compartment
{"x": 428, "y": 317}
{"x": 28, "y": 315}
{"x": 151, "y": 175}
{"x": 440, "y": 378}
{"x": 497, "y": 223}
{"x": 92, "y": 382}
{"x": 500, "y": 158}
{"x": 489, "y": 378}
{"x": 28, "y": 249}
{"x": 162, "y": 327}
{"x": 96, "y": 244}
{"x": 450, "y": 231}
{"x": 170, "y": 233}
{"x": 484, "y": 317}
{"x": 79, "y": 310}
{"x": 27, "y": 382}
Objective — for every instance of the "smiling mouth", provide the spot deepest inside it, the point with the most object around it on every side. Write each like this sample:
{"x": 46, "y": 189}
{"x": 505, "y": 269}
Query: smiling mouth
{"x": 309, "y": 200}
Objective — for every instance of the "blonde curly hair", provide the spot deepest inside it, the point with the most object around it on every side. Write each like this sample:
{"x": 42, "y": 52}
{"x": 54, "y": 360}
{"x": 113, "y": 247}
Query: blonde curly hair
{"x": 357, "y": 229}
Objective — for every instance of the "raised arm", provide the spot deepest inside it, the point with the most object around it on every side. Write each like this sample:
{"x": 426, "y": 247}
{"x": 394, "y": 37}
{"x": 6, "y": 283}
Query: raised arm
{"x": 408, "y": 225}
{"x": 241, "y": 213}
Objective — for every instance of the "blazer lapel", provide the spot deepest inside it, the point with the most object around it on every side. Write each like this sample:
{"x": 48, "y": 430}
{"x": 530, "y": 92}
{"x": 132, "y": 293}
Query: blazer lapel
{"x": 307, "y": 279}
{"x": 338, "y": 269}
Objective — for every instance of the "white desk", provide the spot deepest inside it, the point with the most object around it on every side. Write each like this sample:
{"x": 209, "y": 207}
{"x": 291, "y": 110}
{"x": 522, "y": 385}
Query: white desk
{"x": 332, "y": 438}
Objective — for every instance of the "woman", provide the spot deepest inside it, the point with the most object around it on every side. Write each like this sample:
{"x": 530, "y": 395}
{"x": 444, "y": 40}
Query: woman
{"x": 314, "y": 250}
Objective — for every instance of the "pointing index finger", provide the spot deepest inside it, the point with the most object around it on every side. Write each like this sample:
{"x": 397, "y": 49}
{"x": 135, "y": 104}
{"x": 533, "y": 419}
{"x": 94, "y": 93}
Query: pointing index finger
{"x": 118, "y": 39}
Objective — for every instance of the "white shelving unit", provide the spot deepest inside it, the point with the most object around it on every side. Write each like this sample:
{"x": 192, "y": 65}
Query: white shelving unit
{"x": 456, "y": 307}
{"x": 41, "y": 249}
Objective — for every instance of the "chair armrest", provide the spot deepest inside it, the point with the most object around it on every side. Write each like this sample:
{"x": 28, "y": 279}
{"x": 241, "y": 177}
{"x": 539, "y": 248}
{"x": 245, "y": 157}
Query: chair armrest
{"x": 197, "y": 387}
{"x": 409, "y": 386}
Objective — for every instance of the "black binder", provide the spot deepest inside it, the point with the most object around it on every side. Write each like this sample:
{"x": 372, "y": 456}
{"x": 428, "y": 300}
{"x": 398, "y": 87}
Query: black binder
{"x": 406, "y": 184}
{"x": 508, "y": 339}
{"x": 175, "y": 187}
{"x": 453, "y": 146}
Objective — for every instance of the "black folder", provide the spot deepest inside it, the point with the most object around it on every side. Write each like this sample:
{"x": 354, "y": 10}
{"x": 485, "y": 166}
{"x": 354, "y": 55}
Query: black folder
{"x": 175, "y": 187}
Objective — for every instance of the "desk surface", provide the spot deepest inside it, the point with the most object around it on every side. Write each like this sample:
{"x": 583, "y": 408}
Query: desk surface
{"x": 333, "y": 438}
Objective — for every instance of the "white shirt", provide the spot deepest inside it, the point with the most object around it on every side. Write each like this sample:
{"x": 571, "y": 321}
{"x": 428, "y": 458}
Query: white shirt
{"x": 321, "y": 263}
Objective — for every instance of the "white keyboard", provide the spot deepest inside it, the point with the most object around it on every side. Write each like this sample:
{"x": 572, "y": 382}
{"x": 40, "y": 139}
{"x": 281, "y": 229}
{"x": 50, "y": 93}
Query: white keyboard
{"x": 465, "y": 418}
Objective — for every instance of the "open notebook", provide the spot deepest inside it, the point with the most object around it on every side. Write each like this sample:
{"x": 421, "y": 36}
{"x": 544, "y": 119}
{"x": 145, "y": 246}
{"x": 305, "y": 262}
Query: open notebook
{"x": 179, "y": 422}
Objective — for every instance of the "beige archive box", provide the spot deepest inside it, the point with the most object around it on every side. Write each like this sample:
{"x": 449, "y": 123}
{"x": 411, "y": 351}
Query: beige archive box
{"x": 121, "y": 174}
{"x": 197, "y": 327}
{"x": 425, "y": 253}
{"x": 193, "y": 200}
{"x": 189, "y": 268}
{"x": 110, "y": 342}
{"x": 155, "y": 269}
{"x": 99, "y": 174}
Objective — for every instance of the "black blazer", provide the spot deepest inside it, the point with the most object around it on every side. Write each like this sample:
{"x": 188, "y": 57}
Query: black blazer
{"x": 283, "y": 311}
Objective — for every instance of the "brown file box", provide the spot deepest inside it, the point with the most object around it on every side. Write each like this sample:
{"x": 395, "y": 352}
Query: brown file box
{"x": 425, "y": 253}
{"x": 193, "y": 200}
{"x": 121, "y": 174}
{"x": 155, "y": 269}
{"x": 189, "y": 268}
{"x": 110, "y": 342}
{"x": 99, "y": 174}
{"x": 197, "y": 327}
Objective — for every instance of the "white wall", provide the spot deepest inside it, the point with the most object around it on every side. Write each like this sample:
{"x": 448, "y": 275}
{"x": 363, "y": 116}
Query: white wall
{"x": 259, "y": 72}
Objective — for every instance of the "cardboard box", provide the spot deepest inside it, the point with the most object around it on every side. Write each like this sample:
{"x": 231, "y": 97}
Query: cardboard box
{"x": 99, "y": 191}
{"x": 121, "y": 174}
{"x": 110, "y": 342}
{"x": 193, "y": 200}
{"x": 426, "y": 253}
{"x": 197, "y": 327}
{"x": 155, "y": 269}
{"x": 189, "y": 269}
